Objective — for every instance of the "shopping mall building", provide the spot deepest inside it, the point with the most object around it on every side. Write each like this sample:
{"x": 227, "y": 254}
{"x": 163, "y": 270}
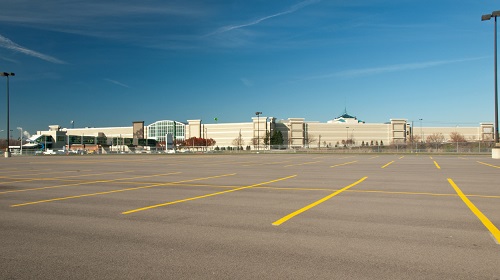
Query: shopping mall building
{"x": 297, "y": 133}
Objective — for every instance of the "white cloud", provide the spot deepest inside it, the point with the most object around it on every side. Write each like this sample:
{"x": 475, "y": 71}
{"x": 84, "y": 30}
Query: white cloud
{"x": 8, "y": 44}
{"x": 8, "y": 59}
{"x": 389, "y": 68}
{"x": 247, "y": 82}
{"x": 257, "y": 21}
{"x": 117, "y": 83}
{"x": 129, "y": 21}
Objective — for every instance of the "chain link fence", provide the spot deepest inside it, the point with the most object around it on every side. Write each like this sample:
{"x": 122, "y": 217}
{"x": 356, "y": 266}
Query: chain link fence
{"x": 441, "y": 148}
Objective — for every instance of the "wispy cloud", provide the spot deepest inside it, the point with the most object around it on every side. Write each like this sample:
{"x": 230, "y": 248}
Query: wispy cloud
{"x": 8, "y": 59}
{"x": 247, "y": 82}
{"x": 8, "y": 44}
{"x": 292, "y": 9}
{"x": 117, "y": 83}
{"x": 131, "y": 21}
{"x": 389, "y": 68}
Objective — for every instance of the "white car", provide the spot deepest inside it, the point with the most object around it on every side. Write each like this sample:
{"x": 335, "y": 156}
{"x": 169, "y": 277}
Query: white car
{"x": 49, "y": 152}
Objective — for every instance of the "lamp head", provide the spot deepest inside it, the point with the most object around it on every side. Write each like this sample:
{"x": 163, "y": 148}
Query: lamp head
{"x": 485, "y": 17}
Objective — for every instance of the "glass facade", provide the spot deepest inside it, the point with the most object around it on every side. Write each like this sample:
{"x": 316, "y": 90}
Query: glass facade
{"x": 158, "y": 130}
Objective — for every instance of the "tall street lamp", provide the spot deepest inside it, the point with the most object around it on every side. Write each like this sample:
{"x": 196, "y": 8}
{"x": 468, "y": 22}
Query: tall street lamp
{"x": 346, "y": 135}
{"x": 421, "y": 132}
{"x": 495, "y": 14}
{"x": 7, "y": 75}
{"x": 258, "y": 129}
{"x": 21, "y": 129}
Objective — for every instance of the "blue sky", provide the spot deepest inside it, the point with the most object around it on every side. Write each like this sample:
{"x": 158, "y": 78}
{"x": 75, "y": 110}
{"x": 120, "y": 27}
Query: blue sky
{"x": 100, "y": 63}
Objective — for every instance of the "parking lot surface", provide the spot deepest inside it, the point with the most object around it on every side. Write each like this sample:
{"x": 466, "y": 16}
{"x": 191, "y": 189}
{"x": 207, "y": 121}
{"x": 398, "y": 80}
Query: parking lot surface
{"x": 250, "y": 216}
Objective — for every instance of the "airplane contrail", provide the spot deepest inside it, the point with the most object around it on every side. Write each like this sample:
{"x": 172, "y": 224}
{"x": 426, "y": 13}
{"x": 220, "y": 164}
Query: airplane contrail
{"x": 8, "y": 44}
{"x": 257, "y": 21}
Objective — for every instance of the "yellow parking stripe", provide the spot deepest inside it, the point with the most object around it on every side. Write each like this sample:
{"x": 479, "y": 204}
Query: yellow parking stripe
{"x": 486, "y": 222}
{"x": 116, "y": 191}
{"x": 62, "y": 177}
{"x": 491, "y": 165}
{"x": 346, "y": 163}
{"x": 373, "y": 191}
{"x": 437, "y": 165}
{"x": 293, "y": 214}
{"x": 9, "y": 177}
{"x": 266, "y": 163}
{"x": 87, "y": 183}
{"x": 305, "y": 163}
{"x": 387, "y": 164}
{"x": 204, "y": 196}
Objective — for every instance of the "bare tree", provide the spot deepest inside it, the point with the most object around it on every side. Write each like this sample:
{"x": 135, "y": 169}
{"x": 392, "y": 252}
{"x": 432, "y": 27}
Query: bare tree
{"x": 435, "y": 138}
{"x": 310, "y": 139}
{"x": 238, "y": 141}
{"x": 456, "y": 137}
{"x": 255, "y": 141}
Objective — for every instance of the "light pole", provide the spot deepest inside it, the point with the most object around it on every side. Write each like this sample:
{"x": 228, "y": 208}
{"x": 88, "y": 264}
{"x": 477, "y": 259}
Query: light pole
{"x": 7, "y": 75}
{"x": 206, "y": 138}
{"x": 258, "y": 129}
{"x": 495, "y": 14}
{"x": 421, "y": 131}
{"x": 346, "y": 135}
{"x": 21, "y": 129}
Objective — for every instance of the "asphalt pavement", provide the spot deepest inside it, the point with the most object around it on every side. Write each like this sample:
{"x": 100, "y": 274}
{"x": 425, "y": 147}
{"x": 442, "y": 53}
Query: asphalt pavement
{"x": 250, "y": 216}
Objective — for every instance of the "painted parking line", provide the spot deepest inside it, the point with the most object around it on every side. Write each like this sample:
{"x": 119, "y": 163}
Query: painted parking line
{"x": 205, "y": 196}
{"x": 63, "y": 177}
{"x": 10, "y": 171}
{"x": 371, "y": 191}
{"x": 345, "y": 163}
{"x": 86, "y": 183}
{"x": 305, "y": 163}
{"x": 487, "y": 164}
{"x": 266, "y": 163}
{"x": 437, "y": 165}
{"x": 316, "y": 203}
{"x": 321, "y": 157}
{"x": 41, "y": 173}
{"x": 117, "y": 191}
{"x": 346, "y": 157}
{"x": 486, "y": 222}
{"x": 387, "y": 164}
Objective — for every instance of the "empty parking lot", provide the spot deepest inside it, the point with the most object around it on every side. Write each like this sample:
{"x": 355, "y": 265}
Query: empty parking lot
{"x": 248, "y": 216}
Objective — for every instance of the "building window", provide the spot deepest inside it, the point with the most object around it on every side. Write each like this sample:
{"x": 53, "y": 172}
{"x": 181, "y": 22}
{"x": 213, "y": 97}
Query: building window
{"x": 159, "y": 129}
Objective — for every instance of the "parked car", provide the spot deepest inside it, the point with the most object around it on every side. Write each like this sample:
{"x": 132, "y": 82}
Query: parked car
{"x": 49, "y": 152}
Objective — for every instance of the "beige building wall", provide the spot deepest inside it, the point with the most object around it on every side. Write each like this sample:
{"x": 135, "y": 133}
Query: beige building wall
{"x": 334, "y": 133}
{"x": 484, "y": 132}
{"x": 225, "y": 133}
{"x": 193, "y": 129}
{"x": 109, "y": 132}
{"x": 125, "y": 131}
{"x": 297, "y": 133}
